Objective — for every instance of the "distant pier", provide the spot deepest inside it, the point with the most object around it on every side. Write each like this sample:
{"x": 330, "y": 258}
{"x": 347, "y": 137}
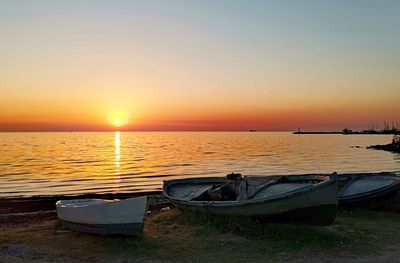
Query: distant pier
{"x": 349, "y": 132}
{"x": 317, "y": 132}
{"x": 393, "y": 130}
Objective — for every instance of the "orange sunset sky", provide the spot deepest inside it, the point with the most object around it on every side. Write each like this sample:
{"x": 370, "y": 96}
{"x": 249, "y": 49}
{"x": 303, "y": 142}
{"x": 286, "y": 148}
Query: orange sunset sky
{"x": 198, "y": 65}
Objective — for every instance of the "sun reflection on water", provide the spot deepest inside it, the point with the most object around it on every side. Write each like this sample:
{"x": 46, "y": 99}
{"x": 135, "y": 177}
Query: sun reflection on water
{"x": 117, "y": 160}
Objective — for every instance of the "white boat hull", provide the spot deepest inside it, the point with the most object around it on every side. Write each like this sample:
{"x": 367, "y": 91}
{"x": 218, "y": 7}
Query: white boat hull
{"x": 125, "y": 217}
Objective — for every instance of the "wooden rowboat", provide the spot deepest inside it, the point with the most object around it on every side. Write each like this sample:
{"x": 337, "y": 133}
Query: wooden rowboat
{"x": 98, "y": 216}
{"x": 298, "y": 199}
{"x": 377, "y": 191}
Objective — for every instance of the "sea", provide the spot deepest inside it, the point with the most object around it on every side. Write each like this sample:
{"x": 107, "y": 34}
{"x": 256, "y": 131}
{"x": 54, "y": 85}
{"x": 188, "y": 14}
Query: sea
{"x": 70, "y": 163}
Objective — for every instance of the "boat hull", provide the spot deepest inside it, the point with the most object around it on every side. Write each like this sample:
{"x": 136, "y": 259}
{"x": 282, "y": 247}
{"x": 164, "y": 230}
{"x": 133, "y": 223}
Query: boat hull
{"x": 316, "y": 215}
{"x": 119, "y": 217}
{"x": 105, "y": 229}
{"x": 317, "y": 206}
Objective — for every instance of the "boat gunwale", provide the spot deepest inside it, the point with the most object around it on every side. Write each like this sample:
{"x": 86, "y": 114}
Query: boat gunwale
{"x": 106, "y": 202}
{"x": 332, "y": 179}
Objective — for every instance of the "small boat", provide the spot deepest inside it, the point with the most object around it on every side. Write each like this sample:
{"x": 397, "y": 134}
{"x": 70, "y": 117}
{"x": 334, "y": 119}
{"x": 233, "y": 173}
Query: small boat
{"x": 376, "y": 191}
{"x": 310, "y": 199}
{"x": 108, "y": 217}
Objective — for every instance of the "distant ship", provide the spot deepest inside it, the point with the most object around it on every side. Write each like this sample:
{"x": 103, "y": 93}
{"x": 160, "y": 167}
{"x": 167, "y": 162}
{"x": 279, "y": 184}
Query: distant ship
{"x": 252, "y": 130}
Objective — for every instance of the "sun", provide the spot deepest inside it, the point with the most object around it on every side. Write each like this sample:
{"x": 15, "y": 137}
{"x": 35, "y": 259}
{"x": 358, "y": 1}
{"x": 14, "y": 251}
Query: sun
{"x": 118, "y": 119}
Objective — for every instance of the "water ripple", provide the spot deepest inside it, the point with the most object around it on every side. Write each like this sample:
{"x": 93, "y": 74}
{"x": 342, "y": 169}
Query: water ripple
{"x": 107, "y": 162}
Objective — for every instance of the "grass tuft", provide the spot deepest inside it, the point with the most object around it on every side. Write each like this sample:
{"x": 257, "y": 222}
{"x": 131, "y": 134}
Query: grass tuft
{"x": 288, "y": 235}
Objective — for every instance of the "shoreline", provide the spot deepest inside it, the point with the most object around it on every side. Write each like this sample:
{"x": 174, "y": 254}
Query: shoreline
{"x": 43, "y": 203}
{"x": 15, "y": 205}
{"x": 29, "y": 204}
{"x": 391, "y": 147}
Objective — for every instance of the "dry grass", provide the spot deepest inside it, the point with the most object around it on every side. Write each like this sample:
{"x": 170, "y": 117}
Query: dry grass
{"x": 173, "y": 236}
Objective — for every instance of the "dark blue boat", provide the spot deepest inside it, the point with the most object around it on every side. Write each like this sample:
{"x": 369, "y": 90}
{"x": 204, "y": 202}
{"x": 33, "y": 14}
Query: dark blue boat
{"x": 376, "y": 191}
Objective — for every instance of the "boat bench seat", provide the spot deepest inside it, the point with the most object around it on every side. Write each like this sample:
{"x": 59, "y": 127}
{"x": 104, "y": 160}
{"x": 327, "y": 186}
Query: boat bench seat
{"x": 189, "y": 191}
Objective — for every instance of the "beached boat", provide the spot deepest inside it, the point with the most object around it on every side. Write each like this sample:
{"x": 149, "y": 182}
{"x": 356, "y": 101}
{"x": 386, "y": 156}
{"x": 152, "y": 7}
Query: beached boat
{"x": 299, "y": 199}
{"x": 377, "y": 191}
{"x": 98, "y": 216}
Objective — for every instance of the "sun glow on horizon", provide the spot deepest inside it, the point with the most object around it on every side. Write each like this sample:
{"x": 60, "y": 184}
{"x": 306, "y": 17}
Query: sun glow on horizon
{"x": 226, "y": 67}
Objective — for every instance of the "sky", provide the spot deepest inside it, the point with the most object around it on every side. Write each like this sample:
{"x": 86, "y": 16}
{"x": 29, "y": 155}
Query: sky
{"x": 198, "y": 65}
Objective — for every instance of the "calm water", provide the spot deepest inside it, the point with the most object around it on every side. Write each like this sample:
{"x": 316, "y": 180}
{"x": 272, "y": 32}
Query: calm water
{"x": 82, "y": 162}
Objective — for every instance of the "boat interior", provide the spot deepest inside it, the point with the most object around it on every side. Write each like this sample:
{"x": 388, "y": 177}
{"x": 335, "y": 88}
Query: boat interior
{"x": 236, "y": 187}
{"x": 350, "y": 186}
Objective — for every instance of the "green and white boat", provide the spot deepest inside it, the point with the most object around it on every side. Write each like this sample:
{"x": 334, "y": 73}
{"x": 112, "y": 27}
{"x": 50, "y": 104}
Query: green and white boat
{"x": 310, "y": 199}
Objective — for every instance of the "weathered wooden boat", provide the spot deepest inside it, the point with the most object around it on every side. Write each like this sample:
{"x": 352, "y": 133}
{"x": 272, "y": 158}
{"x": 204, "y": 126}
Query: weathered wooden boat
{"x": 108, "y": 217}
{"x": 308, "y": 199}
{"x": 376, "y": 191}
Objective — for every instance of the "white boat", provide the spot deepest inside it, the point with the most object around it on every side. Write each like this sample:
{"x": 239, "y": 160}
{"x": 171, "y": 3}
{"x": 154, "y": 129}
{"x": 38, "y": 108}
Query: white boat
{"x": 98, "y": 216}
